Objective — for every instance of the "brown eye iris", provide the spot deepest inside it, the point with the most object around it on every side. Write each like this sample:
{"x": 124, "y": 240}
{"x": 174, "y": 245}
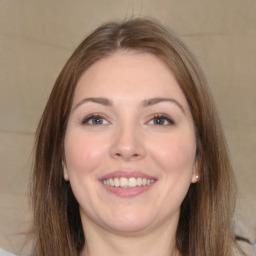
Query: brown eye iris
{"x": 159, "y": 121}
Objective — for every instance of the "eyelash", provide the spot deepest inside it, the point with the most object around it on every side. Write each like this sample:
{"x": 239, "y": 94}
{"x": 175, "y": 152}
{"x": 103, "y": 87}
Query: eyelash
{"x": 89, "y": 118}
{"x": 101, "y": 119}
{"x": 162, "y": 117}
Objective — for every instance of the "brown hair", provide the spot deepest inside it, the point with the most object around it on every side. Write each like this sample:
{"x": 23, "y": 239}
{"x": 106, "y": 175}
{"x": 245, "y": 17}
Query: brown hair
{"x": 205, "y": 226}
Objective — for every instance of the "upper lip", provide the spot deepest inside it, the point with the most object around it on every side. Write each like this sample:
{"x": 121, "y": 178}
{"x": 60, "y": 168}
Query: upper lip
{"x": 126, "y": 174}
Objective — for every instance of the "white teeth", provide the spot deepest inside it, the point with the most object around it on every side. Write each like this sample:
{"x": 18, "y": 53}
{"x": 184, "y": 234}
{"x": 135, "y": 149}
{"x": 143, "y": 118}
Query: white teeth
{"x": 123, "y": 182}
{"x": 139, "y": 181}
{"x": 127, "y": 183}
{"x": 116, "y": 182}
{"x": 132, "y": 182}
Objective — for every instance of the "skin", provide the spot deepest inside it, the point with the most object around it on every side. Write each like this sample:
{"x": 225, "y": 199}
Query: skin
{"x": 130, "y": 138}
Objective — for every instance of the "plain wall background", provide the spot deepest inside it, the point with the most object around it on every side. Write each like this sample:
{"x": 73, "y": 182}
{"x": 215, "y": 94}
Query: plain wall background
{"x": 37, "y": 37}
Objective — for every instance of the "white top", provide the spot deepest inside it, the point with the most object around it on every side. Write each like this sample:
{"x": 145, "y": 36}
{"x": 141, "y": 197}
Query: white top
{"x": 5, "y": 253}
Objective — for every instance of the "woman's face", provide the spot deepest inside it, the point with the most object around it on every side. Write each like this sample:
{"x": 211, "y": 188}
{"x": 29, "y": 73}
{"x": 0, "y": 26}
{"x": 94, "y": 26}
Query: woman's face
{"x": 130, "y": 144}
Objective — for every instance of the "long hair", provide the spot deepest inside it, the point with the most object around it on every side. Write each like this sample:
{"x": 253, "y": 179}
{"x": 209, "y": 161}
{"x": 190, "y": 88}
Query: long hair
{"x": 205, "y": 224}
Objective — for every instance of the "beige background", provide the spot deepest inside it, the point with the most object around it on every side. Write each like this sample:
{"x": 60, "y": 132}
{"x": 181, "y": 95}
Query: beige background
{"x": 36, "y": 39}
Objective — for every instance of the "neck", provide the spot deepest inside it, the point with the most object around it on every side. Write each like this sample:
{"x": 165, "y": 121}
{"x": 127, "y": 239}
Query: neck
{"x": 160, "y": 241}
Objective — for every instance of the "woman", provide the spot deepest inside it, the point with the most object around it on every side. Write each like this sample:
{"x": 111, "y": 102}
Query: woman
{"x": 130, "y": 155}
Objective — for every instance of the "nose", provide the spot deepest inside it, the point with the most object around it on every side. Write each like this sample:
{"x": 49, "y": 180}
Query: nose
{"x": 128, "y": 144}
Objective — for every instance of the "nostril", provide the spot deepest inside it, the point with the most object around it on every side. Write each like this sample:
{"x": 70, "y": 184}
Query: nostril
{"x": 127, "y": 149}
{"x": 124, "y": 155}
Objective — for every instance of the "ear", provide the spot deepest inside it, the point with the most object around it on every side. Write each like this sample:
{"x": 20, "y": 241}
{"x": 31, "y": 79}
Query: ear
{"x": 65, "y": 171}
{"x": 196, "y": 172}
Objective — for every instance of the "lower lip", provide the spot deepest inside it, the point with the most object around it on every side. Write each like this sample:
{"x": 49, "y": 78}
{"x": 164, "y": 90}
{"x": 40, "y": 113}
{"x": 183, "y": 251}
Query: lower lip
{"x": 127, "y": 192}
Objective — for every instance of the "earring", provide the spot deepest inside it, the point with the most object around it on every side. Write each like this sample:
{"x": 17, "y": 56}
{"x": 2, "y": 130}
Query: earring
{"x": 195, "y": 179}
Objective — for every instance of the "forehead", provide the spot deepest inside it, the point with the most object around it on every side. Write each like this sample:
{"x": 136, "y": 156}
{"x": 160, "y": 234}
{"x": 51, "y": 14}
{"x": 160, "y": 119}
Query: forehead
{"x": 129, "y": 74}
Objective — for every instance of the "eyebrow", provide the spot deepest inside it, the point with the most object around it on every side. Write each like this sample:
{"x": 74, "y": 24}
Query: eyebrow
{"x": 153, "y": 101}
{"x": 99, "y": 100}
{"x": 145, "y": 103}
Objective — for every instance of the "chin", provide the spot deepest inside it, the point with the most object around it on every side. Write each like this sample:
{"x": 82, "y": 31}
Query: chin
{"x": 129, "y": 228}
{"x": 129, "y": 222}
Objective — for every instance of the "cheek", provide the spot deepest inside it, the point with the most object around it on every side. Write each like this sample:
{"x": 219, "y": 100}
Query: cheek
{"x": 175, "y": 154}
{"x": 83, "y": 153}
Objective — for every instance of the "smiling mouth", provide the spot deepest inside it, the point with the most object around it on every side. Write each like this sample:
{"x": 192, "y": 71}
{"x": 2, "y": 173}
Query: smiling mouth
{"x": 127, "y": 184}
{"x": 124, "y": 182}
